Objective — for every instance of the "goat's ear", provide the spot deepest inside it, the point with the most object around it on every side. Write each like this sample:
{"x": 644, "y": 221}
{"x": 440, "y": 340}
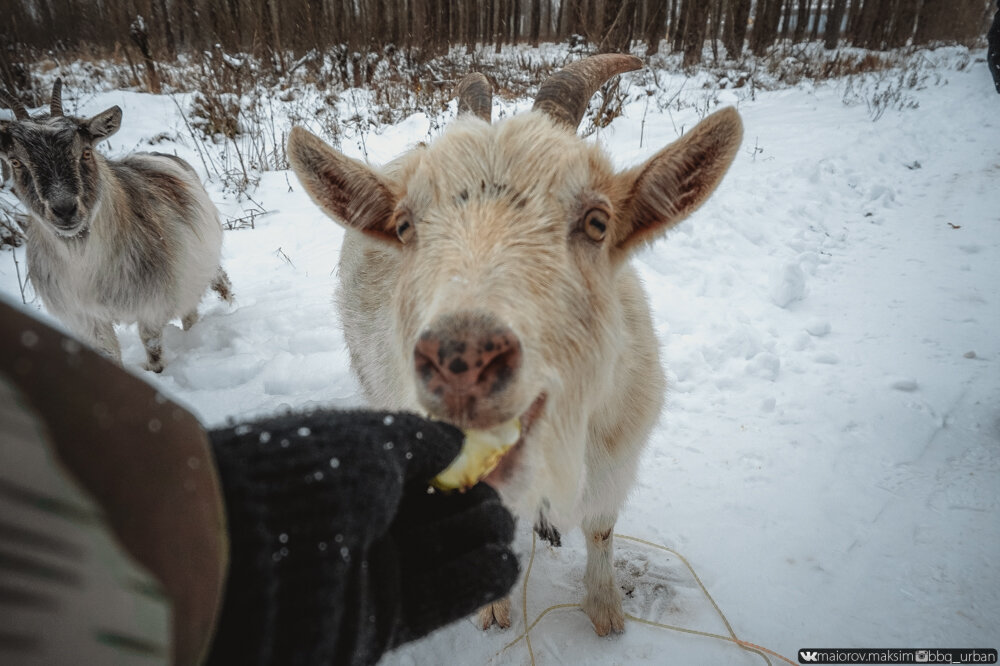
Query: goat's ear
{"x": 346, "y": 189}
{"x": 677, "y": 180}
{"x": 104, "y": 124}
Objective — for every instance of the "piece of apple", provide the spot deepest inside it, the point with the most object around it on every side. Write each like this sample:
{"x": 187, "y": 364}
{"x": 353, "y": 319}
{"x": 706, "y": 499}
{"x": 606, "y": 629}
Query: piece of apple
{"x": 481, "y": 453}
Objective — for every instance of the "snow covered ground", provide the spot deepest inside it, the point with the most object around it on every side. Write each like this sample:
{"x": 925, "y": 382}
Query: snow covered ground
{"x": 829, "y": 461}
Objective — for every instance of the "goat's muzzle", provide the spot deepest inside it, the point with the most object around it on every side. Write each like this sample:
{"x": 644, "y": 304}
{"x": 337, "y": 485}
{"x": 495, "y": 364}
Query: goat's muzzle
{"x": 66, "y": 216}
{"x": 465, "y": 365}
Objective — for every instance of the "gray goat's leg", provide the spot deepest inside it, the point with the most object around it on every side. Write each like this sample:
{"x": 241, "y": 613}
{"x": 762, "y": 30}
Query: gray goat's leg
{"x": 152, "y": 340}
{"x": 190, "y": 319}
{"x": 222, "y": 286}
{"x": 101, "y": 334}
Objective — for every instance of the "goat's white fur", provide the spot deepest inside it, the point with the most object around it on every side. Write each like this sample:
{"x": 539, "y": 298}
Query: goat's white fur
{"x": 578, "y": 308}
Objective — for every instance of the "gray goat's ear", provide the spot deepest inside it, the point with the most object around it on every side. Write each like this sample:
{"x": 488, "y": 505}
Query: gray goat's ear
{"x": 677, "y": 180}
{"x": 346, "y": 189}
{"x": 104, "y": 124}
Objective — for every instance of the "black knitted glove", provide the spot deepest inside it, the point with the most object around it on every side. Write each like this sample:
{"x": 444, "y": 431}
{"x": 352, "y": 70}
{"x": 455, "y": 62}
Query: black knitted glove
{"x": 338, "y": 551}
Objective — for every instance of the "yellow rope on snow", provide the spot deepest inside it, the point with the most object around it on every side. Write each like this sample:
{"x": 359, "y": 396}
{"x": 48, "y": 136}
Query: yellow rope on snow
{"x": 759, "y": 650}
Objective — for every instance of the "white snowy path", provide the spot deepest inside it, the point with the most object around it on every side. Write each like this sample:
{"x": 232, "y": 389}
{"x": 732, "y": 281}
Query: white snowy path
{"x": 829, "y": 461}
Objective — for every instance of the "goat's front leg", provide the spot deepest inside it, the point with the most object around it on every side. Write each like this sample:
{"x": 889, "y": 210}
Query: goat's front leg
{"x": 153, "y": 342}
{"x": 222, "y": 286}
{"x": 603, "y": 602}
{"x": 497, "y": 613}
{"x": 101, "y": 335}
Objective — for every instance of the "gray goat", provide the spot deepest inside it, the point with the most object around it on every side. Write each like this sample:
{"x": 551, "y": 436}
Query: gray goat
{"x": 133, "y": 240}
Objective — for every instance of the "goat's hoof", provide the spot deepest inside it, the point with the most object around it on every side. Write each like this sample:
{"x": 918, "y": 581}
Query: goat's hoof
{"x": 496, "y": 613}
{"x": 606, "y": 615}
{"x": 154, "y": 367}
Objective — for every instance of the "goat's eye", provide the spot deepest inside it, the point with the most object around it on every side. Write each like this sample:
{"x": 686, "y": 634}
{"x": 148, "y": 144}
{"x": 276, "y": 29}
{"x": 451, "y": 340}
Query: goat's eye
{"x": 595, "y": 224}
{"x": 15, "y": 163}
{"x": 87, "y": 154}
{"x": 404, "y": 227}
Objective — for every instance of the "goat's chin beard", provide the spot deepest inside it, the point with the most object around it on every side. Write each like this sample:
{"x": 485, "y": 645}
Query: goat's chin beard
{"x": 78, "y": 231}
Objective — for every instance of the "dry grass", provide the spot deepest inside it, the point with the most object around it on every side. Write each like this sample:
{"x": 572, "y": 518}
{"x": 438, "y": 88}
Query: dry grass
{"x": 239, "y": 116}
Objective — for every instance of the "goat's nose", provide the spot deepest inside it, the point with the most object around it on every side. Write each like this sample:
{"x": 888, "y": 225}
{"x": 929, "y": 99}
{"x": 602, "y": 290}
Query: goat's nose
{"x": 466, "y": 356}
{"x": 64, "y": 209}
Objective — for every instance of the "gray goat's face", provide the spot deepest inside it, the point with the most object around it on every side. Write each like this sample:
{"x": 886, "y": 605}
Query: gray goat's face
{"x": 55, "y": 170}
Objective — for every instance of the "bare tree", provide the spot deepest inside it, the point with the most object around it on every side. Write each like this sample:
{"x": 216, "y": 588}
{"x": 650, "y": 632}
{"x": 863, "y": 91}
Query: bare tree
{"x": 694, "y": 31}
{"x": 735, "y": 31}
{"x": 802, "y": 20}
{"x": 831, "y": 35}
{"x": 765, "y": 25}
{"x": 536, "y": 22}
{"x": 656, "y": 13}
{"x": 951, "y": 20}
{"x": 616, "y": 26}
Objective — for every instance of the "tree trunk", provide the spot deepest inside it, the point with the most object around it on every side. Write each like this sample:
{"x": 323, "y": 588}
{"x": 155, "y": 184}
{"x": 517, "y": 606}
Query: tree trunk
{"x": 536, "y": 22}
{"x": 814, "y": 31}
{"x": 715, "y": 24}
{"x": 961, "y": 21}
{"x": 616, "y": 26}
{"x": 168, "y": 33}
{"x": 471, "y": 26}
{"x": 831, "y": 34}
{"x": 903, "y": 23}
{"x": 735, "y": 32}
{"x": 765, "y": 26}
{"x": 694, "y": 32}
{"x": 680, "y": 23}
{"x": 867, "y": 28}
{"x": 514, "y": 26}
{"x": 802, "y": 20}
{"x": 657, "y": 16}
{"x": 497, "y": 25}
{"x": 591, "y": 22}
{"x": 786, "y": 19}
{"x": 853, "y": 16}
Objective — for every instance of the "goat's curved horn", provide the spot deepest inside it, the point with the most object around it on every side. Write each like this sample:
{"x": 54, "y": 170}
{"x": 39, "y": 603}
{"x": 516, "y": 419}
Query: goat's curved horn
{"x": 475, "y": 96}
{"x": 15, "y": 105}
{"x": 564, "y": 95}
{"x": 55, "y": 106}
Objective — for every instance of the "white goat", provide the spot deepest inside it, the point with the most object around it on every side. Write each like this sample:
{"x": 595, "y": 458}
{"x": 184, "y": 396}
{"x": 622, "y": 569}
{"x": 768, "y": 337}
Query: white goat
{"x": 485, "y": 276}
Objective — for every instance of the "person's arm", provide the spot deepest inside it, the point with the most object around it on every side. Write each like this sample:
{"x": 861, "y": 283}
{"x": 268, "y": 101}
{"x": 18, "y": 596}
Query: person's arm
{"x": 143, "y": 458}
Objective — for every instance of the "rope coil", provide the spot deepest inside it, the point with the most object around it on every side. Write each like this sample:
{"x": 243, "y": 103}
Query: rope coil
{"x": 753, "y": 648}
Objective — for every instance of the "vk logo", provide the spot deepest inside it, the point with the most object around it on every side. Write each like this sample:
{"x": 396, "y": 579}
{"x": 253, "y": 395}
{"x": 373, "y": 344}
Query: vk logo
{"x": 808, "y": 656}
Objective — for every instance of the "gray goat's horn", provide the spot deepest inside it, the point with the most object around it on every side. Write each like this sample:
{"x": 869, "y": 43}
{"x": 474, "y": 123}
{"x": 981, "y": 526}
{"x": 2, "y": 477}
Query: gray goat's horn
{"x": 475, "y": 96}
{"x": 55, "y": 106}
{"x": 15, "y": 105}
{"x": 564, "y": 95}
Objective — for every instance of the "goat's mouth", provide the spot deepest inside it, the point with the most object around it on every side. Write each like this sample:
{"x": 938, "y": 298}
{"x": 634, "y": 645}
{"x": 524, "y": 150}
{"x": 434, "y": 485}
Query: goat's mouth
{"x": 510, "y": 460}
{"x": 74, "y": 230}
{"x": 490, "y": 454}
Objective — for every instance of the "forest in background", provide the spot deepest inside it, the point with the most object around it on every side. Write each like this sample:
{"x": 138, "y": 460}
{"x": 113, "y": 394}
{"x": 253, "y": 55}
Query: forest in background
{"x": 281, "y": 33}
